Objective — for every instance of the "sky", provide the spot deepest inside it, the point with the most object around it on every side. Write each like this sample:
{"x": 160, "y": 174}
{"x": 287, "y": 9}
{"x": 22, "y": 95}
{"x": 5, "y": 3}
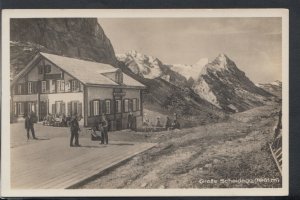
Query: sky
{"x": 254, "y": 44}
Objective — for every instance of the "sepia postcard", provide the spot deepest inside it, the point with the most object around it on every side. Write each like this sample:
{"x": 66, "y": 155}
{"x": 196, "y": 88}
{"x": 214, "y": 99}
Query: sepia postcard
{"x": 173, "y": 102}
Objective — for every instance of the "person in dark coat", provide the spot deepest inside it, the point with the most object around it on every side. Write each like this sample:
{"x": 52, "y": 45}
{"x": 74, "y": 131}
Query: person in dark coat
{"x": 175, "y": 124}
{"x": 29, "y": 125}
{"x": 74, "y": 127}
{"x": 168, "y": 124}
{"x": 104, "y": 132}
{"x": 130, "y": 121}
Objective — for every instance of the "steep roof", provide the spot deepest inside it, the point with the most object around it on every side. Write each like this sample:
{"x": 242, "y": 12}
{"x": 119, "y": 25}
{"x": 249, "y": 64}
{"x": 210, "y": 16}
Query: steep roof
{"x": 85, "y": 71}
{"x": 88, "y": 72}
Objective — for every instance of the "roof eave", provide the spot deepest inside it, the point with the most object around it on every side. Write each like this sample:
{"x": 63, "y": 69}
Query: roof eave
{"x": 115, "y": 86}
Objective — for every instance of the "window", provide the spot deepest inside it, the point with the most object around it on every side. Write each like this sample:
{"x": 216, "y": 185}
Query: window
{"x": 74, "y": 86}
{"x": 43, "y": 86}
{"x": 133, "y": 104}
{"x": 47, "y": 68}
{"x": 21, "y": 108}
{"x": 60, "y": 84}
{"x": 107, "y": 106}
{"x": 126, "y": 106}
{"x": 118, "y": 106}
{"x": 96, "y": 107}
{"x": 58, "y": 107}
{"x": 119, "y": 77}
{"x": 29, "y": 87}
{"x": 31, "y": 107}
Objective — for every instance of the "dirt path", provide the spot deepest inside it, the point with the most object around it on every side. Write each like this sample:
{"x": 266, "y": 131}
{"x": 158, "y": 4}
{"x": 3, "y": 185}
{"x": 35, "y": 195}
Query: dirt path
{"x": 228, "y": 154}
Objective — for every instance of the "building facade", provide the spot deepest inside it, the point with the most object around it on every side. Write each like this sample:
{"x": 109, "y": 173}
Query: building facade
{"x": 52, "y": 84}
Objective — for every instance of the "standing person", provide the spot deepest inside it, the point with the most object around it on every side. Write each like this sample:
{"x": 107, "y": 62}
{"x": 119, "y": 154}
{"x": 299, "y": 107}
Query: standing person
{"x": 29, "y": 126}
{"x": 74, "y": 127}
{"x": 175, "y": 124}
{"x": 158, "y": 123}
{"x": 130, "y": 121}
{"x": 104, "y": 123}
{"x": 168, "y": 124}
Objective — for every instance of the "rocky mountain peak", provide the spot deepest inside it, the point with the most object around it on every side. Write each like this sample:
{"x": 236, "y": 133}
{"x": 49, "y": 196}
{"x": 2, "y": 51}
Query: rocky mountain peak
{"x": 220, "y": 63}
{"x": 223, "y": 84}
{"x": 81, "y": 38}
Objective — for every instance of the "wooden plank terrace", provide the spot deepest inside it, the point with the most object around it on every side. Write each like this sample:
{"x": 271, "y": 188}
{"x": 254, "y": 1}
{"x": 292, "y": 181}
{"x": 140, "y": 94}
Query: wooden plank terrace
{"x": 52, "y": 164}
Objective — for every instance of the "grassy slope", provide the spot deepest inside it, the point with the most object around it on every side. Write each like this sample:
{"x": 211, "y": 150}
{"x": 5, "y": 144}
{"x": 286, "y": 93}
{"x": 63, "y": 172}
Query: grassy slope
{"x": 233, "y": 149}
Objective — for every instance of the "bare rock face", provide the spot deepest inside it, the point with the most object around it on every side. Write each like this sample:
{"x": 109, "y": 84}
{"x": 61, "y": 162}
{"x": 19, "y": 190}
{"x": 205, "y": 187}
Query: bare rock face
{"x": 224, "y": 85}
{"x": 73, "y": 37}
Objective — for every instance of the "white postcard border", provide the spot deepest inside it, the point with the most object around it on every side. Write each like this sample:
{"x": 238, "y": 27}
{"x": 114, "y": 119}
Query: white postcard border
{"x": 140, "y": 13}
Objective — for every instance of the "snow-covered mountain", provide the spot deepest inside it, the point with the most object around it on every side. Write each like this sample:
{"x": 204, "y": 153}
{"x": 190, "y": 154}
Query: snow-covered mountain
{"x": 149, "y": 67}
{"x": 190, "y": 71}
{"x": 274, "y": 88}
{"x": 167, "y": 89}
{"x": 219, "y": 82}
{"x": 145, "y": 66}
{"x": 224, "y": 85}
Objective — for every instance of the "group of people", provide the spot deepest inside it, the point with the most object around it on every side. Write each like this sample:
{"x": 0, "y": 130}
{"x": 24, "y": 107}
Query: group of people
{"x": 172, "y": 125}
{"x": 169, "y": 125}
{"x": 52, "y": 119}
{"x": 101, "y": 127}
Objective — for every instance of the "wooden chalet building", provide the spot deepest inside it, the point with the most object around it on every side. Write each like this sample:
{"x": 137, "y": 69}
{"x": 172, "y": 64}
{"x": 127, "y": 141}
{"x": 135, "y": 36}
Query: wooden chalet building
{"x": 52, "y": 84}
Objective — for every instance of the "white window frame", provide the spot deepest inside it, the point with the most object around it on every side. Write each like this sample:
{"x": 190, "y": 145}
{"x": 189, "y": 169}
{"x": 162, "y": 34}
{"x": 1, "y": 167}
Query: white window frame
{"x": 126, "y": 102}
{"x": 44, "y": 86}
{"x": 21, "y": 108}
{"x": 62, "y": 86}
{"x": 96, "y": 105}
{"x": 29, "y": 87}
{"x": 58, "y": 107}
{"x": 58, "y": 85}
{"x": 73, "y": 85}
{"x": 107, "y": 107}
{"x": 119, "y": 106}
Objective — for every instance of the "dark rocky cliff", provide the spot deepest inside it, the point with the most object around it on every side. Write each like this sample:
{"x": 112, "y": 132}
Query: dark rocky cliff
{"x": 74, "y": 37}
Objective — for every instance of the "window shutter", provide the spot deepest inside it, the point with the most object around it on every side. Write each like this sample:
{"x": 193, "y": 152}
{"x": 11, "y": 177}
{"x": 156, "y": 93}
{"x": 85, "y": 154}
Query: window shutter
{"x": 70, "y": 108}
{"x": 111, "y": 106}
{"x": 38, "y": 87}
{"x": 91, "y": 108}
{"x": 123, "y": 106}
{"x": 79, "y": 109}
{"x": 103, "y": 106}
{"x": 48, "y": 85}
{"x": 53, "y": 109}
{"x": 130, "y": 105}
{"x": 137, "y": 104}
{"x": 63, "y": 108}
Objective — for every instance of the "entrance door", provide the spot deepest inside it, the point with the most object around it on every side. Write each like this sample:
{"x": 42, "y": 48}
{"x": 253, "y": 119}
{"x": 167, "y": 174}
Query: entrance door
{"x": 43, "y": 110}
